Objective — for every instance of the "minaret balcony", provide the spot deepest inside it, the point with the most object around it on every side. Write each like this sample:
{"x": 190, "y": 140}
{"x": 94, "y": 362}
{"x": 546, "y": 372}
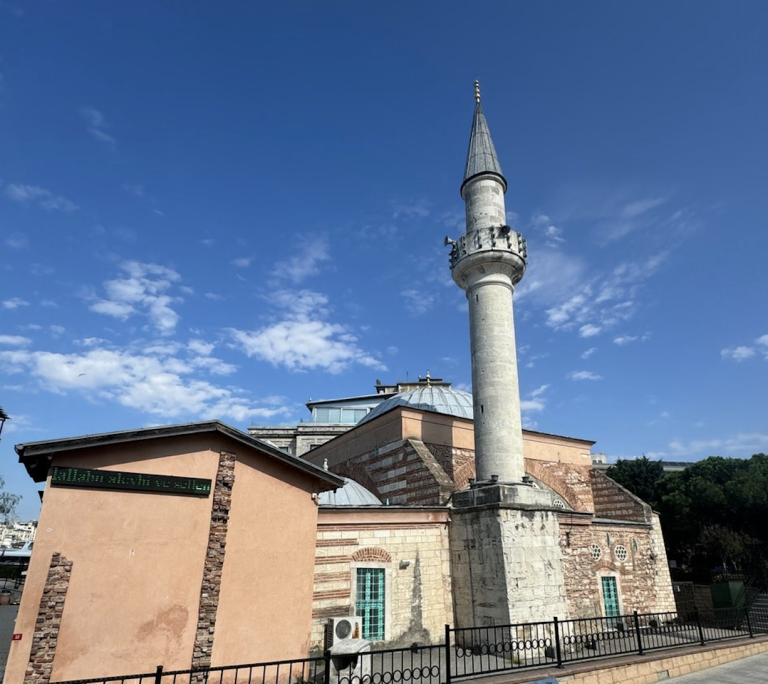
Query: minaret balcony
{"x": 495, "y": 248}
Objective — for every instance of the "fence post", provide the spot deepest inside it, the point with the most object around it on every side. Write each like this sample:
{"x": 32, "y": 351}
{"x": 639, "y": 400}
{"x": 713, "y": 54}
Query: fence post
{"x": 327, "y": 665}
{"x": 749, "y": 622}
{"x": 159, "y": 674}
{"x": 447, "y": 654}
{"x": 701, "y": 631}
{"x": 639, "y": 636}
{"x": 558, "y": 652}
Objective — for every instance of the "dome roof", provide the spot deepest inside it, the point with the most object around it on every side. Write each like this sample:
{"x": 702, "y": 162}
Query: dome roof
{"x": 437, "y": 399}
{"x": 351, "y": 494}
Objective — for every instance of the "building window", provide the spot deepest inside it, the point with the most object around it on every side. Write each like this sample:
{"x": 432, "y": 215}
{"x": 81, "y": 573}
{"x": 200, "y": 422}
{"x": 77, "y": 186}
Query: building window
{"x": 620, "y": 552}
{"x": 610, "y": 596}
{"x": 595, "y": 552}
{"x": 558, "y": 503}
{"x": 338, "y": 415}
{"x": 369, "y": 602}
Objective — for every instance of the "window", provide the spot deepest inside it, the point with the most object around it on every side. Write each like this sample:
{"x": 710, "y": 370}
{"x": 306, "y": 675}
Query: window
{"x": 337, "y": 415}
{"x": 610, "y": 596}
{"x": 595, "y": 552}
{"x": 620, "y": 552}
{"x": 369, "y": 602}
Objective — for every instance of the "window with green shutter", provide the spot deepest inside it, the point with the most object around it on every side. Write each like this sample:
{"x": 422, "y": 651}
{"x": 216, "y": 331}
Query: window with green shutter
{"x": 369, "y": 602}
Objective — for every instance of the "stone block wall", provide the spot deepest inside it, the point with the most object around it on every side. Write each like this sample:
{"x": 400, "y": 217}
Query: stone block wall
{"x": 412, "y": 547}
{"x": 571, "y": 482}
{"x": 507, "y": 566}
{"x": 614, "y": 502}
{"x": 402, "y": 473}
{"x": 591, "y": 551}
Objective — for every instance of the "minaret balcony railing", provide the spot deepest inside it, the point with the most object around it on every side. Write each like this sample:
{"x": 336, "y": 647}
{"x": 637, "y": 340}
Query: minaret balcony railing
{"x": 490, "y": 239}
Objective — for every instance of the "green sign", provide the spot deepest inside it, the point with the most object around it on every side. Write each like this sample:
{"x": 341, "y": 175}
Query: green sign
{"x": 135, "y": 482}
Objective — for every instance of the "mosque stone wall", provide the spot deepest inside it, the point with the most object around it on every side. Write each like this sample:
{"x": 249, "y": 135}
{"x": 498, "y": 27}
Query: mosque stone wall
{"x": 507, "y": 566}
{"x": 632, "y": 554}
{"x": 404, "y": 472}
{"x": 615, "y": 502}
{"x": 571, "y": 482}
{"x": 411, "y": 546}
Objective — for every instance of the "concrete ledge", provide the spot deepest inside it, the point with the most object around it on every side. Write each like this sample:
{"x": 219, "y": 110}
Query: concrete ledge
{"x": 504, "y": 495}
{"x": 646, "y": 669}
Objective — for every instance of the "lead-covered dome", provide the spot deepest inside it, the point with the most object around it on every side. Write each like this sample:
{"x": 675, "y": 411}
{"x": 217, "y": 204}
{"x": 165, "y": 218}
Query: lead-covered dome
{"x": 437, "y": 399}
{"x": 351, "y": 494}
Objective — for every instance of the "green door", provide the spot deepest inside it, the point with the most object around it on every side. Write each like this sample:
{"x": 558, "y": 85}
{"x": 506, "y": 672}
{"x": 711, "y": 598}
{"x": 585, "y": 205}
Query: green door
{"x": 369, "y": 602}
{"x": 610, "y": 597}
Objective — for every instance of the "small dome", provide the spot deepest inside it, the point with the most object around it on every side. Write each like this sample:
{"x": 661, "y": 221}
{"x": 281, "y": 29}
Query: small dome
{"x": 429, "y": 398}
{"x": 351, "y": 494}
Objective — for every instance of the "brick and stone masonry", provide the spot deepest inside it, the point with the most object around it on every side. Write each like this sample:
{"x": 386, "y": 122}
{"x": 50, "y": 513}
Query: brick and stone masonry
{"x": 214, "y": 560}
{"x": 49, "y": 621}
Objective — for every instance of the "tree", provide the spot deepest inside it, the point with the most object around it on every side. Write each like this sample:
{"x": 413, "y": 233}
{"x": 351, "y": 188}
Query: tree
{"x": 729, "y": 547}
{"x": 639, "y": 475}
{"x": 8, "y": 502}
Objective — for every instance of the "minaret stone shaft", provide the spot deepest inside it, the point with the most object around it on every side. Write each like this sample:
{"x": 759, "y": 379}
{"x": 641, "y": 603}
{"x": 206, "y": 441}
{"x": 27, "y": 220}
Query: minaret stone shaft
{"x": 487, "y": 262}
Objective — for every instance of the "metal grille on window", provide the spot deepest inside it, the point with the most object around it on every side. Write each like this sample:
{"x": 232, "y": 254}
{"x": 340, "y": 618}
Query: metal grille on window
{"x": 595, "y": 552}
{"x": 369, "y": 603}
{"x": 620, "y": 552}
{"x": 610, "y": 596}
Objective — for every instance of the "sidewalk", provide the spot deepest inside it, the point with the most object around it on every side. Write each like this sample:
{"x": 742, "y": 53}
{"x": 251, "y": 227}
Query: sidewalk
{"x": 752, "y": 670}
{"x": 7, "y": 621}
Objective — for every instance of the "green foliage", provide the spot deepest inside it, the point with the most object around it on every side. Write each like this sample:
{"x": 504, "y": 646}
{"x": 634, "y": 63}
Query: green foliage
{"x": 639, "y": 475}
{"x": 8, "y": 502}
{"x": 713, "y": 513}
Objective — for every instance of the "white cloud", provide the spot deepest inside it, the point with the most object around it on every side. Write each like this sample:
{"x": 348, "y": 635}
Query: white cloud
{"x": 137, "y": 190}
{"x": 142, "y": 290}
{"x": 584, "y": 375}
{"x": 553, "y": 236}
{"x": 740, "y": 445}
{"x": 574, "y": 300}
{"x": 17, "y": 241}
{"x": 534, "y": 403}
{"x": 410, "y": 210}
{"x": 640, "y": 207}
{"x": 589, "y": 330}
{"x": 621, "y": 340}
{"x": 417, "y": 301}
{"x": 97, "y": 126}
{"x": 311, "y": 251}
{"x": 200, "y": 347}
{"x": 586, "y": 354}
{"x": 14, "y": 340}
{"x": 242, "y": 262}
{"x": 45, "y": 198}
{"x": 14, "y": 303}
{"x": 152, "y": 383}
{"x": 744, "y": 352}
{"x": 303, "y": 339}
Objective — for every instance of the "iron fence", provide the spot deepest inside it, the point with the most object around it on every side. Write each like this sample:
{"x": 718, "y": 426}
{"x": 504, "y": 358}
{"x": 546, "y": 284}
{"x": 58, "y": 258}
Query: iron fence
{"x": 478, "y": 651}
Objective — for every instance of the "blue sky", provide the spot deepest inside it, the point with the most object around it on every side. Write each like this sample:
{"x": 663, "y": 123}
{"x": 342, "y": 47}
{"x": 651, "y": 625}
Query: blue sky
{"x": 222, "y": 210}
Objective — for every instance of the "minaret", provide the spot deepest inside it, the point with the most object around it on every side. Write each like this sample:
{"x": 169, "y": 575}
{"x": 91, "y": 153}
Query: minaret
{"x": 506, "y": 561}
{"x": 487, "y": 262}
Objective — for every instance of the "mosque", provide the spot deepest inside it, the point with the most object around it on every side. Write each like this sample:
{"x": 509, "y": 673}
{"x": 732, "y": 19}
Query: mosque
{"x": 413, "y": 507}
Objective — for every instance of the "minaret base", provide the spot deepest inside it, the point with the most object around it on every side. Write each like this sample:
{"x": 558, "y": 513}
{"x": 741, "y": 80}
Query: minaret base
{"x": 507, "y": 567}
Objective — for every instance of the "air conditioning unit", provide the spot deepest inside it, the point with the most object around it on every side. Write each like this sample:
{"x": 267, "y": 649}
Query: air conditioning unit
{"x": 347, "y": 627}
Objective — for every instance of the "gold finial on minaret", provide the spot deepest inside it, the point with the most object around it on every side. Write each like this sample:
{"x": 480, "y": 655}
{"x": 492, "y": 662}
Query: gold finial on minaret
{"x": 477, "y": 92}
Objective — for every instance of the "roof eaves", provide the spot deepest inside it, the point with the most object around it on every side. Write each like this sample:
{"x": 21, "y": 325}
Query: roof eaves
{"x": 32, "y": 454}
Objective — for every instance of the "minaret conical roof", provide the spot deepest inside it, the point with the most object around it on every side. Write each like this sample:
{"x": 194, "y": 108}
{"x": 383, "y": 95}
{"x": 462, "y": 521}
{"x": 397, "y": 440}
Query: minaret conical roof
{"x": 481, "y": 155}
